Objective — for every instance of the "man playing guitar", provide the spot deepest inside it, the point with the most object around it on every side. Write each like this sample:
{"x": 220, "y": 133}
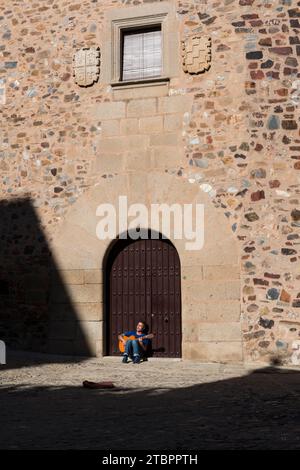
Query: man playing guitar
{"x": 134, "y": 343}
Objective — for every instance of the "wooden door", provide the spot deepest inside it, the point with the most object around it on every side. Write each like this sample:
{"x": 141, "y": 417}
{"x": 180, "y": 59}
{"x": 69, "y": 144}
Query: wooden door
{"x": 144, "y": 285}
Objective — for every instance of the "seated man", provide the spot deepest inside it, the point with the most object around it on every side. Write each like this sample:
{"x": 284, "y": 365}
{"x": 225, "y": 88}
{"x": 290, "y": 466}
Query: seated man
{"x": 135, "y": 347}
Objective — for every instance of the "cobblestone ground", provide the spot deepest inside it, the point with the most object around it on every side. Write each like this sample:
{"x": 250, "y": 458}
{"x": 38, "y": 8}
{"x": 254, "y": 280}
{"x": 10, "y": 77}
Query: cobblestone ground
{"x": 159, "y": 404}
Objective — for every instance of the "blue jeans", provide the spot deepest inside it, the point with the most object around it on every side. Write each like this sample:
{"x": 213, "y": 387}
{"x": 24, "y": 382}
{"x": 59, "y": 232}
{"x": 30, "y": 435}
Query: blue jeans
{"x": 132, "y": 348}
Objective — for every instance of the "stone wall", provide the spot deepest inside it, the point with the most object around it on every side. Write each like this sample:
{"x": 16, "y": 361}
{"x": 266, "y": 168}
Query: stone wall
{"x": 232, "y": 132}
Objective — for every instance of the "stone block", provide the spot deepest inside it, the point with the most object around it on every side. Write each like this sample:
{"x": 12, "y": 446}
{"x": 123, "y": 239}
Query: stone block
{"x": 119, "y": 144}
{"x": 166, "y": 157}
{"x": 137, "y": 183}
{"x": 60, "y": 346}
{"x": 150, "y": 125}
{"x": 173, "y": 122}
{"x": 36, "y": 297}
{"x": 191, "y": 273}
{"x": 110, "y": 128}
{"x": 174, "y": 104}
{"x": 93, "y": 276}
{"x": 140, "y": 108}
{"x": 89, "y": 311}
{"x": 212, "y": 311}
{"x": 211, "y": 331}
{"x": 63, "y": 330}
{"x": 90, "y": 335}
{"x": 35, "y": 280}
{"x": 108, "y": 162}
{"x": 208, "y": 290}
{"x": 108, "y": 110}
{"x": 169, "y": 139}
{"x": 68, "y": 276}
{"x": 210, "y": 254}
{"x": 138, "y": 160}
{"x": 134, "y": 93}
{"x": 61, "y": 312}
{"x": 91, "y": 330}
{"x": 90, "y": 348}
{"x": 77, "y": 294}
{"x": 129, "y": 126}
{"x": 2, "y": 352}
{"x": 99, "y": 348}
{"x": 221, "y": 272}
{"x": 76, "y": 312}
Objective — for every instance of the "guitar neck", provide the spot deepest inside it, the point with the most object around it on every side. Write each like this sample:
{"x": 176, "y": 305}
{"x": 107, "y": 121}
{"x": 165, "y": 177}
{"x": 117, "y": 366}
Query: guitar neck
{"x": 141, "y": 337}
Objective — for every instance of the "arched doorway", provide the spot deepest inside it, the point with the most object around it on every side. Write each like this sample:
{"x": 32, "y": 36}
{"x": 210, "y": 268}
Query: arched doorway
{"x": 143, "y": 284}
{"x": 210, "y": 278}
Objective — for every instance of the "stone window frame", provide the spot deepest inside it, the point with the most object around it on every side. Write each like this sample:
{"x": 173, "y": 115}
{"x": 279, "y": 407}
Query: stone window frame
{"x": 145, "y": 16}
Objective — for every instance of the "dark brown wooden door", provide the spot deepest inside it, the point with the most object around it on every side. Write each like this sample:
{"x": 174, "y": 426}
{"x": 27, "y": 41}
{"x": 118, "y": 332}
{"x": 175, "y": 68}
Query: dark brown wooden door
{"x": 144, "y": 285}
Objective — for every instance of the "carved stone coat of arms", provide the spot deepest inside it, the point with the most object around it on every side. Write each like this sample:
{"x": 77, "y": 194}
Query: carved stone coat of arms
{"x": 86, "y": 66}
{"x": 196, "y": 53}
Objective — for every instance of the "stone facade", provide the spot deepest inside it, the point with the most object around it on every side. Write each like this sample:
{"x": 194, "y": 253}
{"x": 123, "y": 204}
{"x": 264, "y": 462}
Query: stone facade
{"x": 228, "y": 137}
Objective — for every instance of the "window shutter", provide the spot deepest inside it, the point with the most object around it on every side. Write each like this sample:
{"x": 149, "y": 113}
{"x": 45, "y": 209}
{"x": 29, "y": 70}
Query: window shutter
{"x": 142, "y": 57}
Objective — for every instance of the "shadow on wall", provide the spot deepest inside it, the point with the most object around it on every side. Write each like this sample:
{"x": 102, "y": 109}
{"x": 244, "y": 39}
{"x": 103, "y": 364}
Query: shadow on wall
{"x": 28, "y": 275}
{"x": 258, "y": 411}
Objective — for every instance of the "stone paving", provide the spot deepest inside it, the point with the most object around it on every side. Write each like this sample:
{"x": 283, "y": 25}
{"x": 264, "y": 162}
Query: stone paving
{"x": 159, "y": 404}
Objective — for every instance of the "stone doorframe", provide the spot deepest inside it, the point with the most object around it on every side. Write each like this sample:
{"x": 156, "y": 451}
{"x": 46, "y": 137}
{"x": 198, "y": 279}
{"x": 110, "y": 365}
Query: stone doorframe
{"x": 211, "y": 297}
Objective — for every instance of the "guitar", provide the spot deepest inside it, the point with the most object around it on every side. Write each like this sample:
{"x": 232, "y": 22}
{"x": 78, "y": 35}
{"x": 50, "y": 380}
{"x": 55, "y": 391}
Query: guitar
{"x": 126, "y": 338}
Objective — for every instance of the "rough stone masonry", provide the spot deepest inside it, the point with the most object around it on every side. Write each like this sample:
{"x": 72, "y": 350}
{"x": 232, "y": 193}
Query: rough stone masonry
{"x": 231, "y": 132}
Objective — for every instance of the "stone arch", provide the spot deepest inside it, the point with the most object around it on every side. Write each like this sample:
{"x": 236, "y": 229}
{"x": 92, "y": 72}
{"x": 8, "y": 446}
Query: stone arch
{"x": 210, "y": 277}
{"x": 153, "y": 266}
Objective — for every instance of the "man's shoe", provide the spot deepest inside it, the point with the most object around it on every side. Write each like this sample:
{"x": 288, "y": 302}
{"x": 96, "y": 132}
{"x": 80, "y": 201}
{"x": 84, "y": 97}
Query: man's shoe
{"x": 125, "y": 359}
{"x": 136, "y": 360}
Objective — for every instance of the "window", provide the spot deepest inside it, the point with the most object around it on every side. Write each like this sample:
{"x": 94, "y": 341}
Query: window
{"x": 141, "y": 54}
{"x": 140, "y": 45}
